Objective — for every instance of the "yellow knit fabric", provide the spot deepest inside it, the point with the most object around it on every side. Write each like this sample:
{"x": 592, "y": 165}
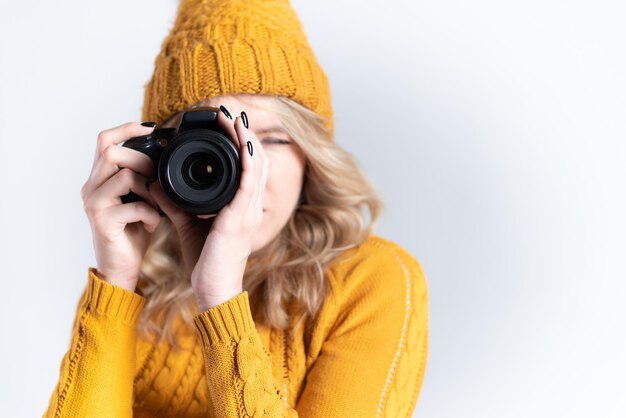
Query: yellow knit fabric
{"x": 220, "y": 47}
{"x": 364, "y": 356}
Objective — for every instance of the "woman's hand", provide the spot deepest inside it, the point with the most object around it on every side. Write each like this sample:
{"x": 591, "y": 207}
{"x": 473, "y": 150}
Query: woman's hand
{"x": 216, "y": 250}
{"x": 120, "y": 239}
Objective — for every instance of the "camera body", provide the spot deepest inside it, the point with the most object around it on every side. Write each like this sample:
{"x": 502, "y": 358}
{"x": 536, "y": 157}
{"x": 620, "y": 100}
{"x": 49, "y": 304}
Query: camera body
{"x": 196, "y": 163}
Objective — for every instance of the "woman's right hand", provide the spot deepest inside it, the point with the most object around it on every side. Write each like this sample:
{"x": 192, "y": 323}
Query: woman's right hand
{"x": 121, "y": 231}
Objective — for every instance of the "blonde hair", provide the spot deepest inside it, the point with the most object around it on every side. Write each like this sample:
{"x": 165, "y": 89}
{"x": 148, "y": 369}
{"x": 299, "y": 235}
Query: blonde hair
{"x": 292, "y": 267}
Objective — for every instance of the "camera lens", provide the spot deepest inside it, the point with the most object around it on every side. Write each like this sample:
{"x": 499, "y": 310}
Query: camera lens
{"x": 202, "y": 170}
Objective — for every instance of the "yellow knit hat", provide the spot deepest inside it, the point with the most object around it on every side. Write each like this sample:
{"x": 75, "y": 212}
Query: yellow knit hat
{"x": 235, "y": 46}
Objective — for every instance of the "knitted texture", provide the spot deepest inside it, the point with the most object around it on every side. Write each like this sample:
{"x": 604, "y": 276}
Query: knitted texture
{"x": 364, "y": 356}
{"x": 221, "y": 47}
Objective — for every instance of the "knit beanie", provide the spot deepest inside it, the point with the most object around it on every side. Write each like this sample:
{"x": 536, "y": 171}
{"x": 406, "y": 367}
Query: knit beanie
{"x": 220, "y": 47}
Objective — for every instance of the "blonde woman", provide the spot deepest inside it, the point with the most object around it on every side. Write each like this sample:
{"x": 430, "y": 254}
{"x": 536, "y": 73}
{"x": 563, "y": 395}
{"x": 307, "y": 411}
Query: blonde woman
{"x": 283, "y": 303}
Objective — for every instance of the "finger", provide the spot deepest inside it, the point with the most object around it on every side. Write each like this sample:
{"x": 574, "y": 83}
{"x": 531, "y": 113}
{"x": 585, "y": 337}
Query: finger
{"x": 120, "y": 184}
{"x": 121, "y": 215}
{"x": 177, "y": 215}
{"x": 112, "y": 160}
{"x": 227, "y": 125}
{"x": 119, "y": 134}
{"x": 265, "y": 175}
{"x": 247, "y": 183}
{"x": 263, "y": 160}
{"x": 258, "y": 156}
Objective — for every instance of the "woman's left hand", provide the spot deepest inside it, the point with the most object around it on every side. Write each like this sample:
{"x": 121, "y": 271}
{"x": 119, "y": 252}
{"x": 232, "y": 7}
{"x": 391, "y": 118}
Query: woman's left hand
{"x": 218, "y": 272}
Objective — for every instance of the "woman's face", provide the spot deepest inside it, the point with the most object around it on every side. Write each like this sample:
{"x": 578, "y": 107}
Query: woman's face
{"x": 287, "y": 162}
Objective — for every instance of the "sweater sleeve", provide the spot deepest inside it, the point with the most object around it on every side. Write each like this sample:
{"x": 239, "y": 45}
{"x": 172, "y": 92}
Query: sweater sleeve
{"x": 371, "y": 365}
{"x": 97, "y": 372}
{"x": 237, "y": 366}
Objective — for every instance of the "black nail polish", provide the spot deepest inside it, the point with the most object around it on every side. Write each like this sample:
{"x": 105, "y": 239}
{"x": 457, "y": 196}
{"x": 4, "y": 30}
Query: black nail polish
{"x": 250, "y": 148}
{"x": 244, "y": 117}
{"x": 225, "y": 111}
{"x": 149, "y": 124}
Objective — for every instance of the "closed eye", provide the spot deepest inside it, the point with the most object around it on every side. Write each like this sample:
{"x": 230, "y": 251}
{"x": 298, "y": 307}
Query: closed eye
{"x": 275, "y": 141}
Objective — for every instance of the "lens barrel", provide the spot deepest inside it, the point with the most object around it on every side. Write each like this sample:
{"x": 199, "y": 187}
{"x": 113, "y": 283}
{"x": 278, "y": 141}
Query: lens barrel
{"x": 200, "y": 171}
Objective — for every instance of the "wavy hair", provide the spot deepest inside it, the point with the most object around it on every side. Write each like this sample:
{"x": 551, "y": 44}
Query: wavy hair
{"x": 329, "y": 219}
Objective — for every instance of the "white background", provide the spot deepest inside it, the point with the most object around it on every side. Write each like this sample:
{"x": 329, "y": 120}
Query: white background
{"x": 494, "y": 131}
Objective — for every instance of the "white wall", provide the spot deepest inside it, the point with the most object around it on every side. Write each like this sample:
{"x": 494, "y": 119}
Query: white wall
{"x": 497, "y": 142}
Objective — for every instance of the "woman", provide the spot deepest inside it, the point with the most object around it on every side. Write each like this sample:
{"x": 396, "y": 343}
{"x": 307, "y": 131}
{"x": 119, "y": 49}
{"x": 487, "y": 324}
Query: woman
{"x": 284, "y": 303}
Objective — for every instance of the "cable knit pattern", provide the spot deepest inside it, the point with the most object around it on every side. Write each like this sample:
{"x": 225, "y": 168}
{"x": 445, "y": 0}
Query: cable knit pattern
{"x": 252, "y": 369}
{"x": 413, "y": 335}
{"x": 364, "y": 356}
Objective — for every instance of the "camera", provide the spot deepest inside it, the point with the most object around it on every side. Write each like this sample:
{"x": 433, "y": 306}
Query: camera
{"x": 196, "y": 163}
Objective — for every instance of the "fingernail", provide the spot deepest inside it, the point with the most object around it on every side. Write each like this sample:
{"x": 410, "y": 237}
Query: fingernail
{"x": 250, "y": 148}
{"x": 225, "y": 111}
{"x": 244, "y": 117}
{"x": 149, "y": 124}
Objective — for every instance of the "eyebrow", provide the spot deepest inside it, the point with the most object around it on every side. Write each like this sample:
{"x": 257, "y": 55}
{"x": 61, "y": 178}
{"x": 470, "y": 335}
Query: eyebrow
{"x": 275, "y": 128}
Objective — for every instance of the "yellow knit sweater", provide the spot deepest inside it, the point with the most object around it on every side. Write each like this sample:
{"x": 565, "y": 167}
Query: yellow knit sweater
{"x": 365, "y": 356}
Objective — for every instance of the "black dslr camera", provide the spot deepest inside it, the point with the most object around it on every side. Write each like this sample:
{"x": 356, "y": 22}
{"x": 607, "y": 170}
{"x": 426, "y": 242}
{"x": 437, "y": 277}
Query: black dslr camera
{"x": 196, "y": 163}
